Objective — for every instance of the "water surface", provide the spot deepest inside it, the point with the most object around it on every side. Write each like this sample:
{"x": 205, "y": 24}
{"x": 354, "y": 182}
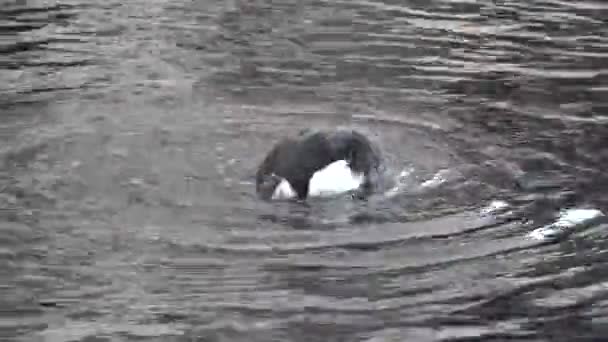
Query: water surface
{"x": 131, "y": 132}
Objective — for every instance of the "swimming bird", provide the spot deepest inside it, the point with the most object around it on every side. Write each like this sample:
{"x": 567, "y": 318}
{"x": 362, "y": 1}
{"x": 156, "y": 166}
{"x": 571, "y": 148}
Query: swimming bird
{"x": 319, "y": 164}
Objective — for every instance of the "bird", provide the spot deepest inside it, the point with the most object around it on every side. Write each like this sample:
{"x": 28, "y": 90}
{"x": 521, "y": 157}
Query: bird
{"x": 319, "y": 163}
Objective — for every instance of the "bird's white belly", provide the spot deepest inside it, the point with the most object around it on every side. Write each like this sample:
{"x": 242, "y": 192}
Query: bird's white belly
{"x": 283, "y": 191}
{"x": 334, "y": 179}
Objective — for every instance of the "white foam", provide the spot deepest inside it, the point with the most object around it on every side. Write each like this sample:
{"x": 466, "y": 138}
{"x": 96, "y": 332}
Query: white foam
{"x": 437, "y": 179}
{"x": 544, "y": 233}
{"x": 571, "y": 217}
{"x": 400, "y": 183}
{"x": 568, "y": 219}
{"x": 334, "y": 179}
{"x": 494, "y": 206}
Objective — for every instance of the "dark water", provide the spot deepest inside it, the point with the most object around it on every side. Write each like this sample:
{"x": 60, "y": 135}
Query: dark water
{"x": 130, "y": 132}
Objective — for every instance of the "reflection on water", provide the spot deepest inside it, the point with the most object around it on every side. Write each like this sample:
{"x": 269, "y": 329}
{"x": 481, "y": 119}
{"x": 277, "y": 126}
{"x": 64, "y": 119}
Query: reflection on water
{"x": 131, "y": 132}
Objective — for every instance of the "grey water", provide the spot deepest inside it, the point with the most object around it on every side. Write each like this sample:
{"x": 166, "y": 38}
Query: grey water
{"x": 130, "y": 132}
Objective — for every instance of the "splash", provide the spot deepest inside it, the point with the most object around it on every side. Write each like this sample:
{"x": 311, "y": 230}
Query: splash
{"x": 494, "y": 207}
{"x": 568, "y": 219}
{"x": 400, "y": 183}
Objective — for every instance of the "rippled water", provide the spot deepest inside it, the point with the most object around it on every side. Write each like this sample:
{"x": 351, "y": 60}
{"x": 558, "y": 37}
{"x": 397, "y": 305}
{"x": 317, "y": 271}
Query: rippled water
{"x": 131, "y": 132}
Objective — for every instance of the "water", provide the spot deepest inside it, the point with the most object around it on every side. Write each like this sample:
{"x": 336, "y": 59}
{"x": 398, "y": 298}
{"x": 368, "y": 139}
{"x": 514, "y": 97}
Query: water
{"x": 131, "y": 132}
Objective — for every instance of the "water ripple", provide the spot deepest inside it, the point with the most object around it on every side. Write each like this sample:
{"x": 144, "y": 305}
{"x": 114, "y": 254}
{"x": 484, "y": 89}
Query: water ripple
{"x": 131, "y": 133}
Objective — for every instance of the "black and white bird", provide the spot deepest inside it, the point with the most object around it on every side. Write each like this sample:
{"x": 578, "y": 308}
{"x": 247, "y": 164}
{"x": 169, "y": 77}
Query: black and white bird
{"x": 319, "y": 164}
